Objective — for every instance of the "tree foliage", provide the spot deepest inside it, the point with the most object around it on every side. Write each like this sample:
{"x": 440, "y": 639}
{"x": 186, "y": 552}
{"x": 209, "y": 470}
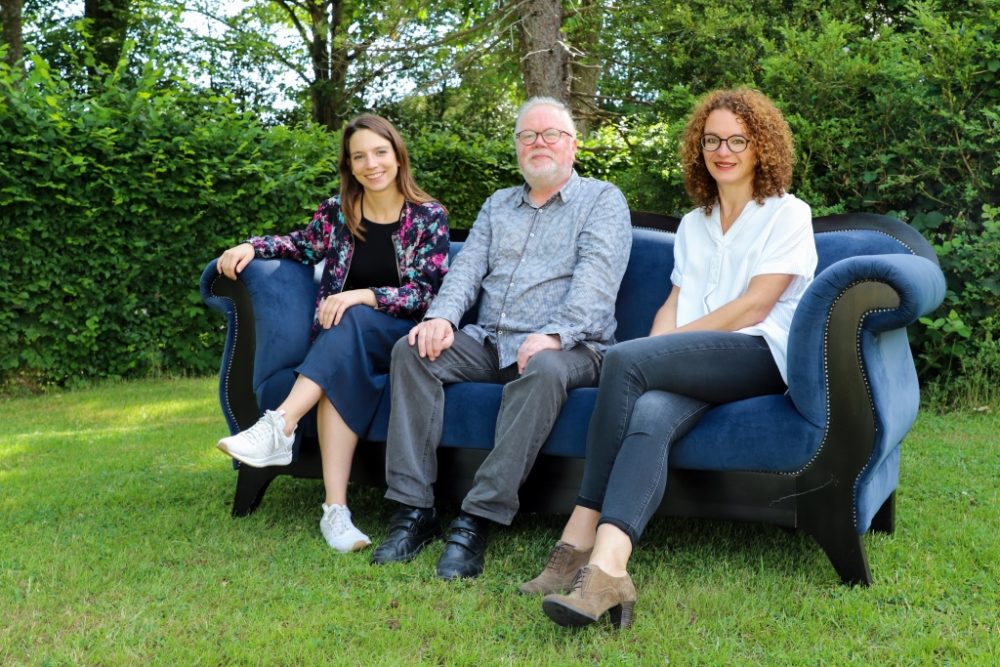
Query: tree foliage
{"x": 345, "y": 53}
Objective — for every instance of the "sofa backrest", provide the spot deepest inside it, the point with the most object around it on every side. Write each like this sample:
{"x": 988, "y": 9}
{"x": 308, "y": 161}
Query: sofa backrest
{"x": 852, "y": 234}
{"x": 646, "y": 283}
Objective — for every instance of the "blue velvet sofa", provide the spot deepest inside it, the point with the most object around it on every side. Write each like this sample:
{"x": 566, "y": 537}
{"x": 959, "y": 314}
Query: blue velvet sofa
{"x": 822, "y": 458}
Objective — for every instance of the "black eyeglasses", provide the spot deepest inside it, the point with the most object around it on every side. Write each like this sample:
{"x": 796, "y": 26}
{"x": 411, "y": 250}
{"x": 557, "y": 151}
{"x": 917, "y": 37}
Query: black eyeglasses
{"x": 737, "y": 143}
{"x": 549, "y": 136}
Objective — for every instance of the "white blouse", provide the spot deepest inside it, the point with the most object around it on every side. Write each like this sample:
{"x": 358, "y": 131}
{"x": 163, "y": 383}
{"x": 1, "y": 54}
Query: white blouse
{"x": 711, "y": 268}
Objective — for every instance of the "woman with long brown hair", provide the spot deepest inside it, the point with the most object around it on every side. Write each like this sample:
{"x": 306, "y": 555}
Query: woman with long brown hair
{"x": 385, "y": 246}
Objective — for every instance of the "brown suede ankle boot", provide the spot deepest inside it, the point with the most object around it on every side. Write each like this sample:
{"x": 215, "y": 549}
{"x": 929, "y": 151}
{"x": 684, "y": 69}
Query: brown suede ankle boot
{"x": 559, "y": 572}
{"x": 594, "y": 592}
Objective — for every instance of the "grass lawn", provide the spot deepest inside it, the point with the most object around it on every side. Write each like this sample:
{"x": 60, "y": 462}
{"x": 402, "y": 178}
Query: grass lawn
{"x": 116, "y": 547}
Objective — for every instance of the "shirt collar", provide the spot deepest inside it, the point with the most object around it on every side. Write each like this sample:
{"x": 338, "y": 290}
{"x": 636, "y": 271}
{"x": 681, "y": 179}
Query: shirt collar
{"x": 565, "y": 194}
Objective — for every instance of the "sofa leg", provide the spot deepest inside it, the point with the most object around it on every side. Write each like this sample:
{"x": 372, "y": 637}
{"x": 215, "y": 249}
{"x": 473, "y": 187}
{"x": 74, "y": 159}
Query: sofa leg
{"x": 884, "y": 520}
{"x": 845, "y": 549}
{"x": 251, "y": 483}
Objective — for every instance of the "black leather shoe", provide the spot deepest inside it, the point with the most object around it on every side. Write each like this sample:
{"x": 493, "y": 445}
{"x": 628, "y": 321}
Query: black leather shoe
{"x": 410, "y": 530}
{"x": 465, "y": 549}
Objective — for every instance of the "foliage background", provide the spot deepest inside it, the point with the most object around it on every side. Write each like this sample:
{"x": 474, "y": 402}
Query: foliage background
{"x": 115, "y": 192}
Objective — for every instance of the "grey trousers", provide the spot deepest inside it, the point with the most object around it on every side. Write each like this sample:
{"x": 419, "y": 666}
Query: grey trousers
{"x": 530, "y": 406}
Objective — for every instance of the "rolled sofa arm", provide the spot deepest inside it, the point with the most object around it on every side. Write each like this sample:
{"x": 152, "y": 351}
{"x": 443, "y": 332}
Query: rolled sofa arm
{"x": 851, "y": 372}
{"x": 268, "y": 312}
{"x": 886, "y": 293}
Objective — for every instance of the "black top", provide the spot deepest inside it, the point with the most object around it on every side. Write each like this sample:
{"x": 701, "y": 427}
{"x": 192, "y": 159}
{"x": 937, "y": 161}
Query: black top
{"x": 374, "y": 263}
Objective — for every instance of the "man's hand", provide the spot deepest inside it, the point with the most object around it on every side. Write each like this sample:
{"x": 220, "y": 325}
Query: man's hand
{"x": 432, "y": 337}
{"x": 234, "y": 260}
{"x": 333, "y": 307}
{"x": 534, "y": 344}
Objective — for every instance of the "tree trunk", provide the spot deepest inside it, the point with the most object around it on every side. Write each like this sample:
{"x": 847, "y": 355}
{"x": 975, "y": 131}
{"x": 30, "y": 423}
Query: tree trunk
{"x": 544, "y": 59}
{"x": 585, "y": 64}
{"x": 329, "y": 64}
{"x": 108, "y": 24}
{"x": 11, "y": 13}
{"x": 339, "y": 103}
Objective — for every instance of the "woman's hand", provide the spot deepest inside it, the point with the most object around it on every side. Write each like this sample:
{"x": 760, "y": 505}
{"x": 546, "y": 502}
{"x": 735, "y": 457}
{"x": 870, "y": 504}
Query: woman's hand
{"x": 234, "y": 260}
{"x": 666, "y": 317}
{"x": 334, "y": 306}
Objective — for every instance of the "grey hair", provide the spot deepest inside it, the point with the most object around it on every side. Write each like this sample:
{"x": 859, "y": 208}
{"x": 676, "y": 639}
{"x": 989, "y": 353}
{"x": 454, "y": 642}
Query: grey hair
{"x": 539, "y": 101}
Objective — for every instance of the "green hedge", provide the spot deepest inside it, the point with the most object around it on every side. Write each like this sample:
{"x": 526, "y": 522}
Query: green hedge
{"x": 113, "y": 203}
{"x": 907, "y": 123}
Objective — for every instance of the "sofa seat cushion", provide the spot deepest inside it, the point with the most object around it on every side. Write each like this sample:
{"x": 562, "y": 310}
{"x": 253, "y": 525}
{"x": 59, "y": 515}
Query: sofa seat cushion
{"x": 470, "y": 418}
{"x": 764, "y": 433}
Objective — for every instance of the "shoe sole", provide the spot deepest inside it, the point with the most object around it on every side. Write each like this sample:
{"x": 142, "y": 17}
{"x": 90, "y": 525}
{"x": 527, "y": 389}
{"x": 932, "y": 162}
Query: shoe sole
{"x": 564, "y": 615}
{"x": 357, "y": 546}
{"x": 453, "y": 575}
{"x": 273, "y": 460}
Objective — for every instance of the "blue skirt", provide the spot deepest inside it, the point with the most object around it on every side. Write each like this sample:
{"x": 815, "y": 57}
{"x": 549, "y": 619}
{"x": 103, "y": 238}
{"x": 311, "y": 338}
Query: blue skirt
{"x": 350, "y": 362}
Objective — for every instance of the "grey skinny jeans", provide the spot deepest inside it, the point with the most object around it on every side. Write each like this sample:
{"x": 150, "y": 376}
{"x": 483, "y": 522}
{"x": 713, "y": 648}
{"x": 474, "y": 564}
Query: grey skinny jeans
{"x": 530, "y": 406}
{"x": 652, "y": 392}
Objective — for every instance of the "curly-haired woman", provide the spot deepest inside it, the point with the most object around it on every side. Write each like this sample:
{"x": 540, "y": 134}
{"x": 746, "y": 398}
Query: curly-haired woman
{"x": 385, "y": 242}
{"x": 742, "y": 260}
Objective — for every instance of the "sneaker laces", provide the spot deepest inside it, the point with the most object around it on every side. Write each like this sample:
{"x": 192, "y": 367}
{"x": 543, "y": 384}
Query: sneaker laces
{"x": 338, "y": 518}
{"x": 259, "y": 433}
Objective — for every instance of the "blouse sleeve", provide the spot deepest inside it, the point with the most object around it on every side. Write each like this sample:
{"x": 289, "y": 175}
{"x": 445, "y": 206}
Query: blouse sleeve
{"x": 791, "y": 247}
{"x": 680, "y": 251}
{"x": 308, "y": 245}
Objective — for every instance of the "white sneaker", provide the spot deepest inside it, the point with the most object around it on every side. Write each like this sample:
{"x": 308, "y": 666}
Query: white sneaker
{"x": 338, "y": 530}
{"x": 263, "y": 444}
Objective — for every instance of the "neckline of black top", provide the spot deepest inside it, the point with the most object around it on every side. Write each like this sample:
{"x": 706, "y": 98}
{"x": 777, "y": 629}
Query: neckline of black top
{"x": 369, "y": 225}
{"x": 365, "y": 219}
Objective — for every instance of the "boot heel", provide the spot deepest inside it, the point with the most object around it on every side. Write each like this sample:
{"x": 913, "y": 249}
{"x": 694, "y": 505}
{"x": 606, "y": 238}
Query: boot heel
{"x": 621, "y": 615}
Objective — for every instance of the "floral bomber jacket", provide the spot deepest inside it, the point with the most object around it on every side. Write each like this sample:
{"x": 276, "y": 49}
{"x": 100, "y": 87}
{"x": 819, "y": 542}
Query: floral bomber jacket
{"x": 421, "y": 255}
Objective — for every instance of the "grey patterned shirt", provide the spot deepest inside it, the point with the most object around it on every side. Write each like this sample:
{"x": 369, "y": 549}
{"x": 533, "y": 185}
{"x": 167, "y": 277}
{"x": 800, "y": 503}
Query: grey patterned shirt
{"x": 551, "y": 269}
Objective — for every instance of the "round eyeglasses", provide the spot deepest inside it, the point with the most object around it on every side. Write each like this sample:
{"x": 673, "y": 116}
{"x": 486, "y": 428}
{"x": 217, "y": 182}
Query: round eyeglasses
{"x": 549, "y": 136}
{"x": 737, "y": 142}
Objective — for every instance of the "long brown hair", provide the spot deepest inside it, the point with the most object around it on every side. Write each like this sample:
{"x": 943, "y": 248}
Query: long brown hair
{"x": 766, "y": 128}
{"x": 351, "y": 190}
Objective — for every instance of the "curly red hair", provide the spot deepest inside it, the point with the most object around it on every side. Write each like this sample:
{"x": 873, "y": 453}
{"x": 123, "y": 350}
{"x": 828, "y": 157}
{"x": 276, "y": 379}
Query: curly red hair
{"x": 765, "y": 127}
